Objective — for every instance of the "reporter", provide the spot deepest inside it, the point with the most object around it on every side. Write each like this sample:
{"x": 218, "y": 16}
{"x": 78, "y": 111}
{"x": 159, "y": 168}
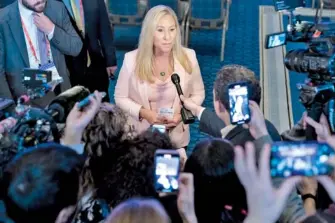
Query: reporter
{"x": 144, "y": 86}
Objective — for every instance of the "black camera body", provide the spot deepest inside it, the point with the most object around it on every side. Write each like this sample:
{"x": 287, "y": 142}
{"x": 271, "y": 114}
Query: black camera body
{"x": 317, "y": 61}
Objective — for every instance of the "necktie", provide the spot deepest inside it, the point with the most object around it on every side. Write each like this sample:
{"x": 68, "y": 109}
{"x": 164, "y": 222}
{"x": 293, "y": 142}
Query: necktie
{"x": 42, "y": 46}
{"x": 80, "y": 22}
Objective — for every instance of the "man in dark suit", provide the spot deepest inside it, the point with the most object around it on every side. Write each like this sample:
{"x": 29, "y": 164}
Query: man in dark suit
{"x": 219, "y": 125}
{"x": 97, "y": 59}
{"x": 35, "y": 33}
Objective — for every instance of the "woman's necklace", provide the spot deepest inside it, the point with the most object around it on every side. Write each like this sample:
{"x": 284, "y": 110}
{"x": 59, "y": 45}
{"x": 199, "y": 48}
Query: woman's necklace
{"x": 163, "y": 73}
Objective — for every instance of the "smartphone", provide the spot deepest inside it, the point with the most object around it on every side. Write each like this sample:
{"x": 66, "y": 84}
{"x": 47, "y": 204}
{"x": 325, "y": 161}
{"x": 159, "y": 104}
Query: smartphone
{"x": 160, "y": 128}
{"x": 166, "y": 171}
{"x": 275, "y": 40}
{"x": 300, "y": 158}
{"x": 239, "y": 103}
{"x": 288, "y": 4}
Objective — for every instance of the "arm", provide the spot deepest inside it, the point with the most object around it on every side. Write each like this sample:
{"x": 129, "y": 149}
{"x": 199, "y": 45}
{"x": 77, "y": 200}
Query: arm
{"x": 121, "y": 95}
{"x": 4, "y": 87}
{"x": 65, "y": 38}
{"x": 294, "y": 209}
{"x": 106, "y": 35}
{"x": 210, "y": 123}
{"x": 198, "y": 89}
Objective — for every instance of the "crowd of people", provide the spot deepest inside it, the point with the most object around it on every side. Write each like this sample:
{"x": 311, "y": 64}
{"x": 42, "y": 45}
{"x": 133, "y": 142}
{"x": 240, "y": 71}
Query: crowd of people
{"x": 103, "y": 168}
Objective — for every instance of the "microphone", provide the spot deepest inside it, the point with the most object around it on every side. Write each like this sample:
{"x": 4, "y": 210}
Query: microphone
{"x": 186, "y": 115}
{"x": 60, "y": 107}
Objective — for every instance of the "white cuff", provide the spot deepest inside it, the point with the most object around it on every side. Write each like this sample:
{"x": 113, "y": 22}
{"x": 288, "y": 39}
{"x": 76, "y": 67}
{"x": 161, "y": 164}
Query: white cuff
{"x": 200, "y": 112}
{"x": 51, "y": 34}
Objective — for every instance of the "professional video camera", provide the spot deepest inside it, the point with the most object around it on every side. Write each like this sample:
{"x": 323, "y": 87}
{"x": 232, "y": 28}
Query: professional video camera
{"x": 317, "y": 94}
{"x": 31, "y": 126}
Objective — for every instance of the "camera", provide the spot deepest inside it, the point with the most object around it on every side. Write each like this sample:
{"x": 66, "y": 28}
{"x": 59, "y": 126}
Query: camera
{"x": 317, "y": 60}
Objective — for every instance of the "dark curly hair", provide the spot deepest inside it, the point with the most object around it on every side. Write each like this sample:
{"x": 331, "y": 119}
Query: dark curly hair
{"x": 109, "y": 127}
{"x": 235, "y": 73}
{"x": 215, "y": 181}
{"x": 132, "y": 174}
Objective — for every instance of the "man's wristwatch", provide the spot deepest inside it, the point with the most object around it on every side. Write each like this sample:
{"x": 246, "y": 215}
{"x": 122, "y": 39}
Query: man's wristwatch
{"x": 305, "y": 196}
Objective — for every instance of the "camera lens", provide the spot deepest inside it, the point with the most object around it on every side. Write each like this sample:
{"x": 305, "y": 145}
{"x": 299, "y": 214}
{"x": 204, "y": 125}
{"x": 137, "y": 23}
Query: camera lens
{"x": 303, "y": 61}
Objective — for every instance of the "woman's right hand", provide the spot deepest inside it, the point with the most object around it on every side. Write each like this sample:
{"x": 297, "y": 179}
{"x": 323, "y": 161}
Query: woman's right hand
{"x": 151, "y": 116}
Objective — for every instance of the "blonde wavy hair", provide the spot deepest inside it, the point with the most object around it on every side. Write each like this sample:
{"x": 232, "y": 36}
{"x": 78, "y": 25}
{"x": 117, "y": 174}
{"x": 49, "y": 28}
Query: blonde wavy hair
{"x": 145, "y": 56}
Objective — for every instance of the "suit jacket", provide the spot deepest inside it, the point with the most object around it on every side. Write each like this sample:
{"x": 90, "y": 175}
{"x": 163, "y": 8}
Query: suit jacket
{"x": 212, "y": 125}
{"x": 131, "y": 94}
{"x": 14, "y": 55}
{"x": 98, "y": 39}
{"x": 4, "y": 3}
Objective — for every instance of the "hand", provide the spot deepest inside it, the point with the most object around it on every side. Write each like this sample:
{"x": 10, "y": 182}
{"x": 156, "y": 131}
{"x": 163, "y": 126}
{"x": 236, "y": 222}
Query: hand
{"x": 265, "y": 203}
{"x": 171, "y": 123}
{"x": 191, "y": 105}
{"x": 77, "y": 120}
{"x": 308, "y": 186}
{"x": 321, "y": 128}
{"x": 185, "y": 201}
{"x": 43, "y": 23}
{"x": 256, "y": 125}
{"x": 111, "y": 71}
{"x": 152, "y": 117}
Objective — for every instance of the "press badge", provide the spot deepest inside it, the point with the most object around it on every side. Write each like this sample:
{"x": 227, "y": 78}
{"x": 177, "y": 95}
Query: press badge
{"x": 166, "y": 112}
{"x": 51, "y": 67}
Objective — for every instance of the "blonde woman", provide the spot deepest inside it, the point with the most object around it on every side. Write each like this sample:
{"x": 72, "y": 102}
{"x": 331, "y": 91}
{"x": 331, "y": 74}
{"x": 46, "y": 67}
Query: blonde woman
{"x": 139, "y": 210}
{"x": 144, "y": 88}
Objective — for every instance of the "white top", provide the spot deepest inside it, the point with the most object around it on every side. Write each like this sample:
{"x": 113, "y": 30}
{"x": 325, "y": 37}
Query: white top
{"x": 28, "y": 20}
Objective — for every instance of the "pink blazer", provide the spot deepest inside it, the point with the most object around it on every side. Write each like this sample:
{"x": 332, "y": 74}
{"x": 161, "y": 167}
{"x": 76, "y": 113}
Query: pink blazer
{"x": 131, "y": 94}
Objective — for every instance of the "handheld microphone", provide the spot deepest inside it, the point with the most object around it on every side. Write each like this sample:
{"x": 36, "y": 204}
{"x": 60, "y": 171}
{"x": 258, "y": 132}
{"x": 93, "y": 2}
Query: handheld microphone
{"x": 186, "y": 115}
{"x": 82, "y": 104}
{"x": 61, "y": 106}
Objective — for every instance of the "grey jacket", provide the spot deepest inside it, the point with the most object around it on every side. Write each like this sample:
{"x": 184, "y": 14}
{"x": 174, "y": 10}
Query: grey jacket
{"x": 14, "y": 55}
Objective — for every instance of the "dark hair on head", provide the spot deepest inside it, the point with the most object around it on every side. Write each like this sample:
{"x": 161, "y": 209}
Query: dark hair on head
{"x": 215, "y": 181}
{"x": 8, "y": 150}
{"x": 235, "y": 73}
{"x": 103, "y": 133}
{"x": 131, "y": 175}
{"x": 40, "y": 182}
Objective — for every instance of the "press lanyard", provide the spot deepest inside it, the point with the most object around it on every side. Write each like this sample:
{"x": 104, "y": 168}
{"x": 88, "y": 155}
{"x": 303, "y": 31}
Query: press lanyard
{"x": 31, "y": 46}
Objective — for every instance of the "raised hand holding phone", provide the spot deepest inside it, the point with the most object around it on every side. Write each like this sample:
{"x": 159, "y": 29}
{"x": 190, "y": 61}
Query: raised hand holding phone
{"x": 185, "y": 199}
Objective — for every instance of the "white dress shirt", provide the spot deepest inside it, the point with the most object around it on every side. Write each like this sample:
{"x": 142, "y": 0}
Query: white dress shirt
{"x": 28, "y": 20}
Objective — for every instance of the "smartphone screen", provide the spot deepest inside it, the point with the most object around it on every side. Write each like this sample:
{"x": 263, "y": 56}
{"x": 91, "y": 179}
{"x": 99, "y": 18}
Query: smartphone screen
{"x": 35, "y": 78}
{"x": 288, "y": 4}
{"x": 275, "y": 40}
{"x": 160, "y": 128}
{"x": 300, "y": 158}
{"x": 166, "y": 171}
{"x": 239, "y": 103}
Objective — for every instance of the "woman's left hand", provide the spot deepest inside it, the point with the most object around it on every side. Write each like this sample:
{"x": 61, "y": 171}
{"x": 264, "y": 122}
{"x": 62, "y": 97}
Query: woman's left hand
{"x": 171, "y": 123}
